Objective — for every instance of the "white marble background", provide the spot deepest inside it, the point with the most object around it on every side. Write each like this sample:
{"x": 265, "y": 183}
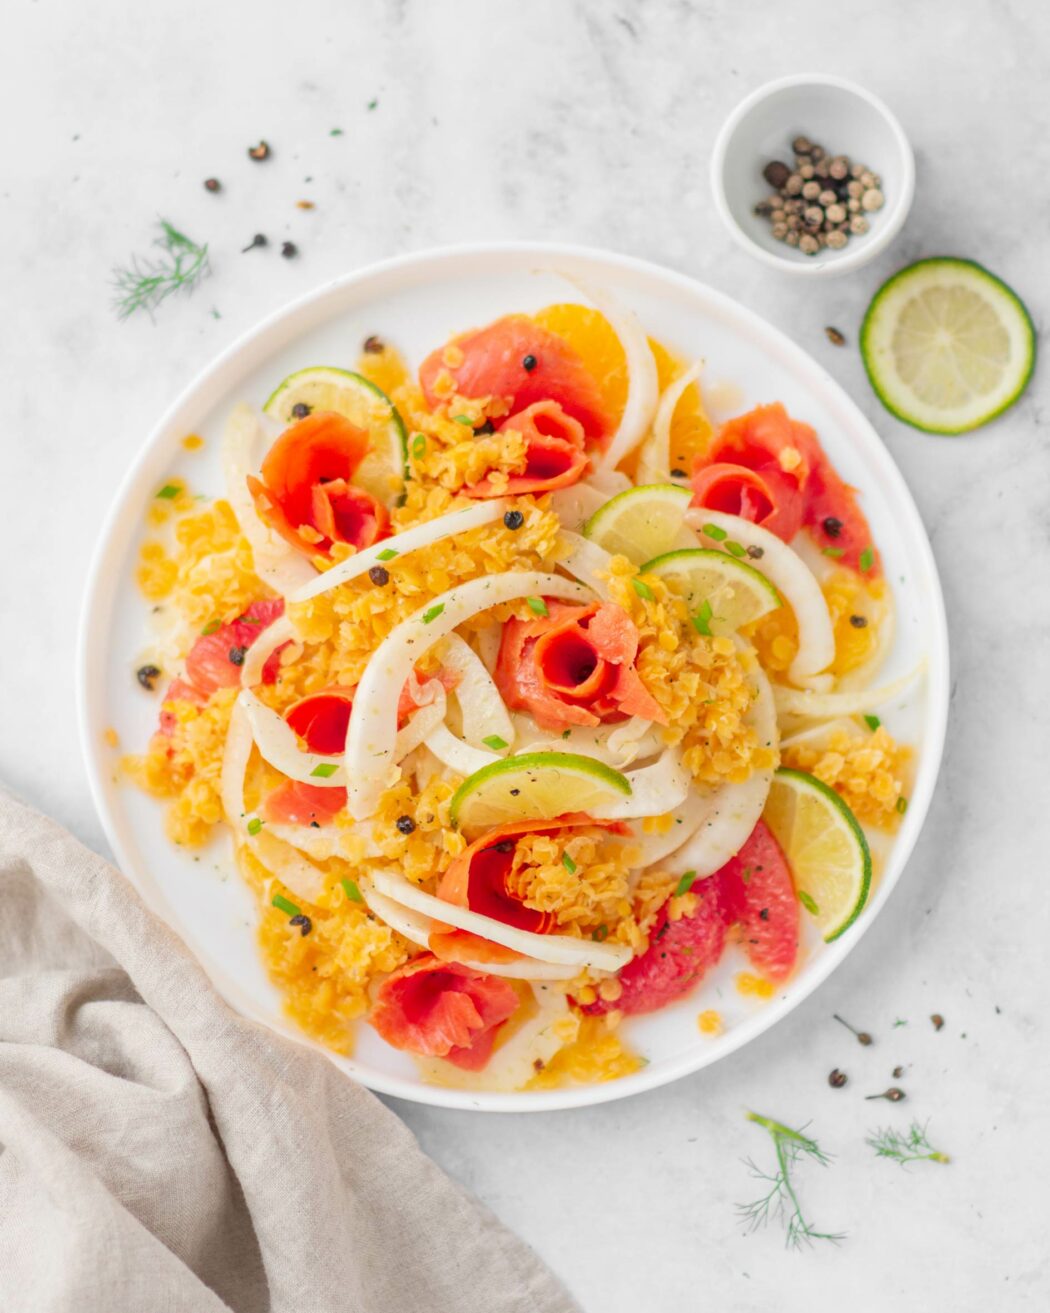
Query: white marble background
{"x": 591, "y": 122}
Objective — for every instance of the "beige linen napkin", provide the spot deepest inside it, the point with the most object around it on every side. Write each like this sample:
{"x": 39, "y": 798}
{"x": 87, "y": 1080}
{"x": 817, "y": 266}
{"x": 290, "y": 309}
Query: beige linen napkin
{"x": 159, "y": 1153}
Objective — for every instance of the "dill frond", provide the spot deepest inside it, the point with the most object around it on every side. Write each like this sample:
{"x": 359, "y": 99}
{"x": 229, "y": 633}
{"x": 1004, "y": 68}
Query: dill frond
{"x": 911, "y": 1147}
{"x": 145, "y": 283}
{"x": 781, "y": 1200}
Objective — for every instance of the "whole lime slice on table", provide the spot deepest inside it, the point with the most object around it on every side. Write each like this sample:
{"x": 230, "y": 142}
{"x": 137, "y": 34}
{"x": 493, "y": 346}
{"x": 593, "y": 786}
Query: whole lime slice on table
{"x": 824, "y": 846}
{"x": 947, "y": 345}
{"x": 721, "y": 592}
{"x": 643, "y": 522}
{"x": 534, "y": 786}
{"x": 384, "y": 470}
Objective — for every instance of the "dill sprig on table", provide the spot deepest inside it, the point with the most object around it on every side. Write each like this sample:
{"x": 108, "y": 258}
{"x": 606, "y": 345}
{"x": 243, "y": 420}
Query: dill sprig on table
{"x": 781, "y": 1199}
{"x": 911, "y": 1147}
{"x": 144, "y": 283}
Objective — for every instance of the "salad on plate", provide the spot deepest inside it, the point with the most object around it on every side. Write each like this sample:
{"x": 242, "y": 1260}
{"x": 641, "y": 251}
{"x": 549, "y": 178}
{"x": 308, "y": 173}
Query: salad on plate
{"x": 524, "y": 694}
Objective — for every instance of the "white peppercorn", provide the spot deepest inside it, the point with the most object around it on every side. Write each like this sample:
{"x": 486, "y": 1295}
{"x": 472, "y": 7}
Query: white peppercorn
{"x": 855, "y": 188}
{"x": 855, "y": 170}
{"x": 858, "y": 225}
{"x": 805, "y": 171}
{"x": 802, "y": 145}
{"x": 853, "y": 204}
{"x": 838, "y": 168}
{"x": 816, "y": 152}
{"x": 778, "y": 216}
{"x": 779, "y": 231}
{"x": 792, "y": 238}
{"x": 811, "y": 190}
{"x": 835, "y": 240}
{"x": 793, "y": 185}
{"x": 835, "y": 213}
{"x": 814, "y": 216}
{"x": 868, "y": 178}
{"x": 828, "y": 197}
{"x": 872, "y": 199}
{"x": 808, "y": 244}
{"x": 821, "y": 201}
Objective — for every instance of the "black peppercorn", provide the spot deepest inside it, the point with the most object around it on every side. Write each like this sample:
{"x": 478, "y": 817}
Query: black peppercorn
{"x": 212, "y": 184}
{"x": 837, "y": 1079}
{"x": 236, "y": 655}
{"x": 938, "y": 1020}
{"x": 379, "y": 575}
{"x": 514, "y": 519}
{"x": 678, "y": 474}
{"x": 756, "y": 553}
{"x": 303, "y": 922}
{"x": 300, "y": 410}
{"x": 374, "y": 346}
{"x": 147, "y": 676}
{"x": 258, "y": 240}
{"x": 260, "y": 152}
{"x": 406, "y": 824}
{"x": 893, "y": 1095}
{"x": 289, "y": 250}
{"x": 858, "y": 621}
{"x": 832, "y": 526}
{"x": 897, "y": 1073}
{"x": 529, "y": 364}
{"x": 833, "y": 335}
{"x": 776, "y": 173}
{"x": 482, "y": 429}
{"x": 504, "y": 846}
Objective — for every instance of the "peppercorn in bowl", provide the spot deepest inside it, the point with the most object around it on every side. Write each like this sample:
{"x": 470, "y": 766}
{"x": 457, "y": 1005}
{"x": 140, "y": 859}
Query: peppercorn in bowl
{"x": 487, "y": 710}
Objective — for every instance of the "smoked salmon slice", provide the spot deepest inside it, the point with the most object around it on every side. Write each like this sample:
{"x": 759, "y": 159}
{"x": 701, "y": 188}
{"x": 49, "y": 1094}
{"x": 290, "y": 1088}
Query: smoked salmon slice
{"x": 443, "y": 1010}
{"x": 767, "y": 497}
{"x": 305, "y": 493}
{"x": 322, "y": 719}
{"x": 521, "y": 363}
{"x": 554, "y": 452}
{"x": 574, "y": 666}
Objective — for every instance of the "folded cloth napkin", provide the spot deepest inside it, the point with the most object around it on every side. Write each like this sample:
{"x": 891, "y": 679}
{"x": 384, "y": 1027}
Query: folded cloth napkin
{"x": 159, "y": 1153}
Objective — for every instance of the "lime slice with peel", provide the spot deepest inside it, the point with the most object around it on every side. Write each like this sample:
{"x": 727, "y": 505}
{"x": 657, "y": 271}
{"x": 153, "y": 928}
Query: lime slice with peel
{"x": 825, "y": 848}
{"x": 534, "y": 786}
{"x": 721, "y": 592}
{"x": 947, "y": 345}
{"x": 642, "y": 522}
{"x": 384, "y": 470}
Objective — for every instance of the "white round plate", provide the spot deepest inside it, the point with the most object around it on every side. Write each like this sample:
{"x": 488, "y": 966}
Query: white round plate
{"x": 415, "y": 302}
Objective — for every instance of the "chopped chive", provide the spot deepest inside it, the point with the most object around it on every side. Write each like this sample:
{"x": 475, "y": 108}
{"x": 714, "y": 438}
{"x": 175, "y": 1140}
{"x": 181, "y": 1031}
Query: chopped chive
{"x": 537, "y": 605}
{"x": 713, "y": 531}
{"x": 169, "y": 491}
{"x": 808, "y": 903}
{"x": 867, "y": 559}
{"x": 286, "y": 905}
{"x": 432, "y": 612}
{"x": 902, "y": 804}
{"x": 419, "y": 445}
{"x": 254, "y": 825}
{"x": 702, "y": 619}
{"x": 463, "y": 419}
{"x": 387, "y": 554}
{"x": 248, "y": 620}
{"x": 352, "y": 891}
{"x": 735, "y": 549}
{"x": 494, "y": 742}
{"x": 642, "y": 589}
{"x": 568, "y": 863}
{"x": 601, "y": 933}
{"x": 685, "y": 884}
{"x": 835, "y": 552}
{"x": 872, "y": 722}
{"x": 210, "y": 627}
{"x": 324, "y": 770}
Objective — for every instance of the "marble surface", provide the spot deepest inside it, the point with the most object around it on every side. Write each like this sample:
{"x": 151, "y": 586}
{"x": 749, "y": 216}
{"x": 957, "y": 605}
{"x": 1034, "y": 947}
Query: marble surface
{"x": 591, "y": 122}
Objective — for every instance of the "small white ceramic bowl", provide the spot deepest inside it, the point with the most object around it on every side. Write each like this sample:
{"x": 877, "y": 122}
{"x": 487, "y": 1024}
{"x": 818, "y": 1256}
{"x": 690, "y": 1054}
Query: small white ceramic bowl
{"x": 844, "y": 119}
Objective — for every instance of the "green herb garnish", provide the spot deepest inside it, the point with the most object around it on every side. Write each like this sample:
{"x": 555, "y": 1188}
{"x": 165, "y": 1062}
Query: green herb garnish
{"x": 835, "y": 552}
{"x": 170, "y": 491}
{"x": 144, "y": 284}
{"x": 211, "y": 627}
{"x": 911, "y": 1147}
{"x": 286, "y": 905}
{"x": 872, "y": 723}
{"x": 537, "y": 605}
{"x": 494, "y": 742}
{"x": 387, "y": 554}
{"x": 432, "y": 612}
{"x": 601, "y": 933}
{"x": 351, "y": 890}
{"x": 419, "y": 445}
{"x": 568, "y": 863}
{"x": 808, "y": 903}
{"x": 713, "y": 531}
{"x": 642, "y": 589}
{"x": 902, "y": 804}
{"x": 702, "y": 619}
{"x": 336, "y": 132}
{"x": 782, "y": 1199}
{"x": 254, "y": 825}
{"x": 735, "y": 549}
{"x": 867, "y": 559}
{"x": 685, "y": 884}
{"x": 324, "y": 770}
{"x": 463, "y": 419}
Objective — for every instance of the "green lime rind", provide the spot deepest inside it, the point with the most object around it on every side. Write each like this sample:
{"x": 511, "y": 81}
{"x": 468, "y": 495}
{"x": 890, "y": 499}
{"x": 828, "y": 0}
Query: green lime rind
{"x": 869, "y": 329}
{"x": 352, "y": 381}
{"x": 533, "y": 761}
{"x": 818, "y": 786}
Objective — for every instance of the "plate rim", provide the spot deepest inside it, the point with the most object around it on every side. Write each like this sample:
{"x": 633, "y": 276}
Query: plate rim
{"x": 90, "y": 636}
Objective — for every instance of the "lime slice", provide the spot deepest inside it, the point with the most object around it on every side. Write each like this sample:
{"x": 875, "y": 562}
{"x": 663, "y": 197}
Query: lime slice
{"x": 642, "y": 522}
{"x": 825, "y": 848}
{"x": 534, "y": 786}
{"x": 947, "y": 345}
{"x": 722, "y": 593}
{"x": 384, "y": 470}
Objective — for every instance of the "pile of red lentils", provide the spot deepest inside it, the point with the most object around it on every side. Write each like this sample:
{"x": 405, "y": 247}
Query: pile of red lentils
{"x": 823, "y": 202}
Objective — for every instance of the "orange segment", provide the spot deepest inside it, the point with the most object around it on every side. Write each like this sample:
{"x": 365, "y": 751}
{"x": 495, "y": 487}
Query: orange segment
{"x": 591, "y": 334}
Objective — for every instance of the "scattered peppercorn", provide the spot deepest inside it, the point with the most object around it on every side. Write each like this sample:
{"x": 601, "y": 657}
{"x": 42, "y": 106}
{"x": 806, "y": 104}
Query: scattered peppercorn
{"x": 305, "y": 205}
{"x": 212, "y": 184}
{"x": 832, "y": 527}
{"x": 893, "y": 1094}
{"x": 289, "y": 250}
{"x": 260, "y": 152}
{"x": 862, "y": 1035}
{"x": 776, "y": 173}
{"x": 897, "y": 1073}
{"x": 379, "y": 575}
{"x": 756, "y": 553}
{"x": 300, "y": 410}
{"x": 764, "y": 914}
{"x": 529, "y": 364}
{"x": 236, "y": 655}
{"x": 514, "y": 792}
{"x": 504, "y": 846}
{"x": 837, "y": 1079}
{"x": 487, "y": 427}
{"x": 820, "y": 203}
{"x": 148, "y": 676}
{"x": 514, "y": 519}
{"x": 679, "y": 474}
{"x": 258, "y": 240}
{"x": 374, "y": 346}
{"x": 406, "y": 824}
{"x": 833, "y": 335}
{"x": 303, "y": 922}
{"x": 859, "y": 621}
{"x": 938, "y": 1021}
